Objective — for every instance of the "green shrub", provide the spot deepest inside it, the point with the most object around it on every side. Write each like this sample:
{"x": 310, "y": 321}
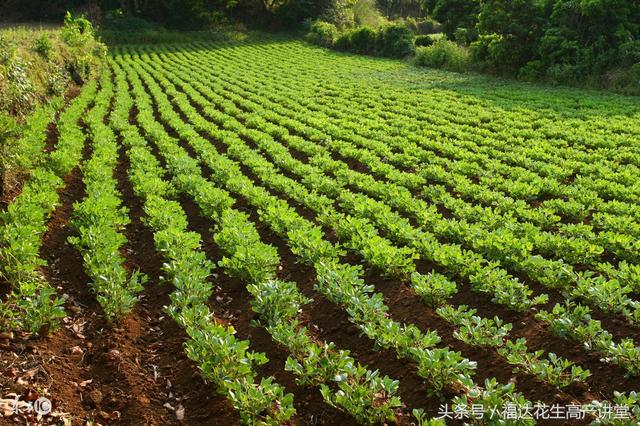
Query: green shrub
{"x": 423, "y": 41}
{"x": 343, "y": 42}
{"x": 396, "y": 41}
{"x": 85, "y": 52}
{"x": 118, "y": 20}
{"x": 497, "y": 54}
{"x": 630, "y": 52}
{"x": 322, "y": 33}
{"x": 77, "y": 31}
{"x": 532, "y": 71}
{"x": 363, "y": 40}
{"x": 43, "y": 46}
{"x": 454, "y": 14}
{"x": 428, "y": 26}
{"x": 464, "y": 36}
{"x": 443, "y": 54}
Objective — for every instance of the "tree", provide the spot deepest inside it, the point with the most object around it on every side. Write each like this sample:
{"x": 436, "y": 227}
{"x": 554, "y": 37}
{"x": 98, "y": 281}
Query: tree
{"x": 454, "y": 14}
{"x": 509, "y": 31}
{"x": 590, "y": 32}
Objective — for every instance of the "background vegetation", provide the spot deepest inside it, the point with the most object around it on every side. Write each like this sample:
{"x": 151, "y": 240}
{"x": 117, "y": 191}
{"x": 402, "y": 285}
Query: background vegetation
{"x": 38, "y": 64}
{"x": 593, "y": 43}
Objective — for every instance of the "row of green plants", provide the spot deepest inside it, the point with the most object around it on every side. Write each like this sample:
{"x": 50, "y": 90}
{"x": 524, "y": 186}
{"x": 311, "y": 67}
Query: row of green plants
{"x": 434, "y": 287}
{"x": 32, "y": 303}
{"x": 282, "y": 159}
{"x": 586, "y": 163}
{"x": 403, "y": 258}
{"x": 298, "y": 231}
{"x": 364, "y": 394}
{"x": 405, "y": 160}
{"x": 409, "y": 146}
{"x": 23, "y": 145}
{"x": 555, "y": 240}
{"x": 614, "y": 299}
{"x": 221, "y": 357}
{"x": 467, "y": 167}
{"x": 447, "y": 147}
{"x": 100, "y": 218}
{"x": 552, "y": 361}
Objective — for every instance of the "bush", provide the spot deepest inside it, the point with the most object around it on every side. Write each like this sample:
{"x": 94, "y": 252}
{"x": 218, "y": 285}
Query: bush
{"x": 363, "y": 40}
{"x": 464, "y": 36}
{"x": 285, "y": 14}
{"x": 43, "y": 46}
{"x": 343, "y": 42}
{"x": 444, "y": 54}
{"x": 428, "y": 26}
{"x": 86, "y": 53}
{"x": 454, "y": 14}
{"x": 494, "y": 53}
{"x": 532, "y": 71}
{"x": 118, "y": 20}
{"x": 630, "y": 52}
{"x": 322, "y": 34}
{"x": 423, "y": 41}
{"x": 396, "y": 41}
{"x": 77, "y": 31}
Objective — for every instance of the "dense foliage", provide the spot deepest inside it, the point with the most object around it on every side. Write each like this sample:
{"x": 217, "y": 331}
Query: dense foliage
{"x": 444, "y": 54}
{"x": 393, "y": 40}
{"x": 454, "y": 15}
{"x": 594, "y": 43}
{"x": 562, "y": 41}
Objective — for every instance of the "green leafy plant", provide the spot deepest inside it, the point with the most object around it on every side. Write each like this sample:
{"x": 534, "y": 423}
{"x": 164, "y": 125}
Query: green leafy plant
{"x": 43, "y": 46}
{"x": 555, "y": 370}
